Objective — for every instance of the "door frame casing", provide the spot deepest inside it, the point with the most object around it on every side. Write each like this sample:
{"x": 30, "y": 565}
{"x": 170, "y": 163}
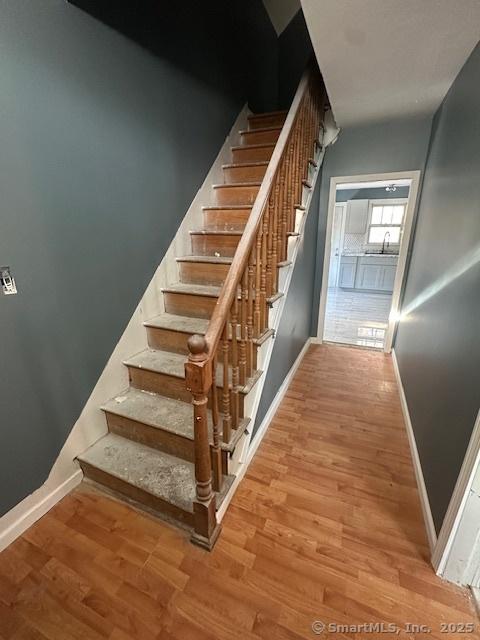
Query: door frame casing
{"x": 343, "y": 205}
{"x": 414, "y": 177}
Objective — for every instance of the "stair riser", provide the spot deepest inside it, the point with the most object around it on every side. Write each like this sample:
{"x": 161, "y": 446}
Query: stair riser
{"x": 203, "y": 273}
{"x": 204, "y": 244}
{"x": 160, "y": 439}
{"x": 226, "y": 195}
{"x": 253, "y": 173}
{"x": 165, "y": 441}
{"x": 259, "y": 137}
{"x": 186, "y": 304}
{"x": 261, "y": 121}
{"x": 136, "y": 494}
{"x": 176, "y": 342}
{"x": 226, "y": 218}
{"x": 252, "y": 154}
{"x": 166, "y": 385}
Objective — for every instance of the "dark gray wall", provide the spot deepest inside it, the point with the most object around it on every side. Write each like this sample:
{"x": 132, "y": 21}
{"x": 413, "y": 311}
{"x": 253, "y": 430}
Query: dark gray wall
{"x": 294, "y": 327}
{"x": 381, "y": 147}
{"x": 438, "y": 345}
{"x": 103, "y": 145}
{"x": 295, "y": 51}
{"x": 343, "y": 195}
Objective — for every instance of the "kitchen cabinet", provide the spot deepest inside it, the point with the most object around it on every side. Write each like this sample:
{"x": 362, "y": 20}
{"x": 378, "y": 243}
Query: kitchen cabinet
{"x": 348, "y": 267}
{"x": 357, "y": 216}
{"x": 368, "y": 273}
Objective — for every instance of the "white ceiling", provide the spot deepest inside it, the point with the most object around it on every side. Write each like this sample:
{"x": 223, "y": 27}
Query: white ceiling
{"x": 382, "y": 59}
{"x": 281, "y": 12}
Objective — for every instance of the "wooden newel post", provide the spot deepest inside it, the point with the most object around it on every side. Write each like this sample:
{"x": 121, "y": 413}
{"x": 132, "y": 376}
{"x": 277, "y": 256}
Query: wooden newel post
{"x": 198, "y": 374}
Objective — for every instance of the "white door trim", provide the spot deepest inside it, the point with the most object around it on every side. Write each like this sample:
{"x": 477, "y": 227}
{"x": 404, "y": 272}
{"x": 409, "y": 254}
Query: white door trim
{"x": 414, "y": 176}
{"x": 452, "y": 559}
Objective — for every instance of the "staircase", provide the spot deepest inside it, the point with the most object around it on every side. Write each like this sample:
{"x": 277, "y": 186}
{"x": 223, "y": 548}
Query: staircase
{"x": 159, "y": 453}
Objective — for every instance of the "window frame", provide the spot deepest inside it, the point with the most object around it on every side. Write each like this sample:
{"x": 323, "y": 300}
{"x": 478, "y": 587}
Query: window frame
{"x": 382, "y": 203}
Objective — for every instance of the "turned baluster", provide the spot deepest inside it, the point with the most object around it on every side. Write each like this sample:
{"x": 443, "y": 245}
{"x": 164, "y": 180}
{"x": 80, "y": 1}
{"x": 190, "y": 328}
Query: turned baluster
{"x": 257, "y": 314}
{"x": 242, "y": 360}
{"x": 275, "y": 235}
{"x": 227, "y": 416}
{"x": 250, "y": 357}
{"x": 269, "y": 276}
{"x": 282, "y": 212}
{"x": 216, "y": 451}
{"x": 263, "y": 272}
{"x": 235, "y": 367}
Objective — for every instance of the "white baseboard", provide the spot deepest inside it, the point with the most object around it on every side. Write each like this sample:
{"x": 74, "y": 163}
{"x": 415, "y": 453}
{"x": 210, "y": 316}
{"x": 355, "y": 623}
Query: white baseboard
{"x": 261, "y": 431}
{"x": 33, "y": 507}
{"x": 422, "y": 489}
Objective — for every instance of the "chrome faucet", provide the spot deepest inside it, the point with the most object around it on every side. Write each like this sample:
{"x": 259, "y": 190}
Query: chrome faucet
{"x": 387, "y": 233}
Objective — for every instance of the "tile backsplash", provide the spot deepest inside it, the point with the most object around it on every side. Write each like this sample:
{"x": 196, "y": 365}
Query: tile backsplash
{"x": 354, "y": 242}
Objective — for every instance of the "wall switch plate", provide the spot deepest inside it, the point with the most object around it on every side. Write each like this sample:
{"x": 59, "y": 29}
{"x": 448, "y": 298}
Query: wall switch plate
{"x": 7, "y": 281}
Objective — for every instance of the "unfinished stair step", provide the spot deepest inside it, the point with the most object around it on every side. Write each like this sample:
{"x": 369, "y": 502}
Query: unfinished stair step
{"x": 192, "y": 300}
{"x": 170, "y": 332}
{"x": 236, "y": 193}
{"x": 195, "y": 300}
{"x": 260, "y": 135}
{"x": 156, "y": 479}
{"x": 210, "y": 270}
{"x": 163, "y": 372}
{"x": 160, "y": 422}
{"x": 235, "y": 216}
{"x": 252, "y": 152}
{"x": 270, "y": 119}
{"x": 215, "y": 242}
{"x": 245, "y": 171}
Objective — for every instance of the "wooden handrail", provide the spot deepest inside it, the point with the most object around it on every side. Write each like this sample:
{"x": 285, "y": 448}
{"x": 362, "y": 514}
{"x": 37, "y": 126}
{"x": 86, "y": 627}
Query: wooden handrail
{"x": 239, "y": 262}
{"x": 241, "y": 312}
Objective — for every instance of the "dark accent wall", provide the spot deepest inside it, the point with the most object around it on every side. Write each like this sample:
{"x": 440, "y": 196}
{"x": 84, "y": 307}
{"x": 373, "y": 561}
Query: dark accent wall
{"x": 105, "y": 140}
{"x": 437, "y": 344}
{"x": 374, "y": 193}
{"x": 295, "y": 51}
{"x": 380, "y": 147}
{"x": 294, "y": 329}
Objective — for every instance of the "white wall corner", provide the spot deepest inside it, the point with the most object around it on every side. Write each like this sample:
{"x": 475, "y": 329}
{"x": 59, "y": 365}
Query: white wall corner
{"x": 281, "y": 12}
{"x": 422, "y": 489}
{"x": 91, "y": 425}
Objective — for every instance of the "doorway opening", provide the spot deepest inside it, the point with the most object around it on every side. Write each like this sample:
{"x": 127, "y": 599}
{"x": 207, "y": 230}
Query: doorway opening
{"x": 368, "y": 231}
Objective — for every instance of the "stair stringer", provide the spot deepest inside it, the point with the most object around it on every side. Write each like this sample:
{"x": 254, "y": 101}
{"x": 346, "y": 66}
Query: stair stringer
{"x": 242, "y": 455}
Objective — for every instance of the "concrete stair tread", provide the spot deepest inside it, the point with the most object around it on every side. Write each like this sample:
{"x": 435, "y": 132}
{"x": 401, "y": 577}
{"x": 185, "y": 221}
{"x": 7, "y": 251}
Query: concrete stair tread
{"x": 260, "y": 130}
{"x": 196, "y": 289}
{"x": 233, "y": 185}
{"x": 173, "y": 322}
{"x": 236, "y": 165}
{"x": 206, "y": 259}
{"x": 173, "y": 364}
{"x": 165, "y": 414}
{"x": 159, "y": 474}
{"x": 218, "y": 231}
{"x": 229, "y": 207}
{"x": 159, "y": 362}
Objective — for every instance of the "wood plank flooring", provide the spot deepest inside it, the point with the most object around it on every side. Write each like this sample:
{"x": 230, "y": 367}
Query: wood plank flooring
{"x": 326, "y": 526}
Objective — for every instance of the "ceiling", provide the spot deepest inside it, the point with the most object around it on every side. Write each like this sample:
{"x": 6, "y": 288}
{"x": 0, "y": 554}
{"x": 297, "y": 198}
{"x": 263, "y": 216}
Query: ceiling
{"x": 281, "y": 12}
{"x": 382, "y": 59}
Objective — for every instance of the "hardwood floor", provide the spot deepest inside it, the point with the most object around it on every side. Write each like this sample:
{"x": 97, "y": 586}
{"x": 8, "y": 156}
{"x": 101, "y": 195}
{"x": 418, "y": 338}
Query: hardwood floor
{"x": 326, "y": 526}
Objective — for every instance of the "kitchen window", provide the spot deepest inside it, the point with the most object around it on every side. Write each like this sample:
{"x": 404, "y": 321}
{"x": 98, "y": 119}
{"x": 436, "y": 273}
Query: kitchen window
{"x": 386, "y": 222}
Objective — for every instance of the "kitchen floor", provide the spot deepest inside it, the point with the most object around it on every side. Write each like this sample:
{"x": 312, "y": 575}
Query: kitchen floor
{"x": 354, "y": 317}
